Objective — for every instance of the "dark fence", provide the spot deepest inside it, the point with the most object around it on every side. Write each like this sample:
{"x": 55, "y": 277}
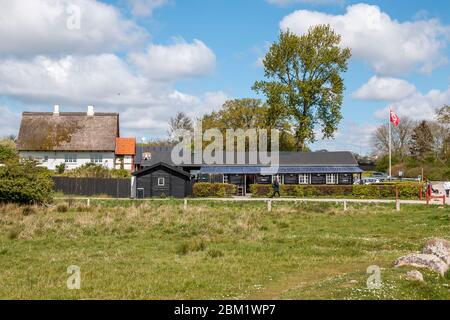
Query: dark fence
{"x": 116, "y": 188}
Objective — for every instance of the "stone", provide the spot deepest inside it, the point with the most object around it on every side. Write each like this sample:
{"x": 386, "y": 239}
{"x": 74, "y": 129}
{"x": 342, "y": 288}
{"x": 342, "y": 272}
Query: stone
{"x": 438, "y": 247}
{"x": 421, "y": 260}
{"x": 414, "y": 275}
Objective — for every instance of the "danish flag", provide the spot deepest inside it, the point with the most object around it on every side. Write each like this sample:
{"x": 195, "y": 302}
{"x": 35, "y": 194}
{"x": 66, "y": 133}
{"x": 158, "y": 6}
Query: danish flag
{"x": 394, "y": 118}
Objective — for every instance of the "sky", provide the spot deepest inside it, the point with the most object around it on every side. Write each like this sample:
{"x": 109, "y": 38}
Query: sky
{"x": 149, "y": 59}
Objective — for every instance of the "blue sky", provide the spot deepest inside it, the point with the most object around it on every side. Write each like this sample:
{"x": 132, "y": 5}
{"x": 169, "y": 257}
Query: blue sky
{"x": 149, "y": 59}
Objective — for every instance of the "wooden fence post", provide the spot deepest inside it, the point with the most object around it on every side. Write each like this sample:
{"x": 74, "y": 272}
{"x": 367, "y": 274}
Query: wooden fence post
{"x": 397, "y": 205}
{"x": 345, "y": 205}
{"x": 88, "y": 202}
{"x": 269, "y": 205}
{"x": 185, "y": 206}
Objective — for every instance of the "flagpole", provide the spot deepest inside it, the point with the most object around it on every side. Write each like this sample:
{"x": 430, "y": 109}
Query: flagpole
{"x": 390, "y": 148}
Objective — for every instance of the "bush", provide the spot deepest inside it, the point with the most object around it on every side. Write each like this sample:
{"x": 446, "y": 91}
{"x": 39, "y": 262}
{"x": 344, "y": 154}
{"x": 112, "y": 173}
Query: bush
{"x": 25, "y": 183}
{"x": 92, "y": 170}
{"x": 407, "y": 190}
{"x": 299, "y": 191}
{"x": 213, "y": 190}
{"x": 8, "y": 152}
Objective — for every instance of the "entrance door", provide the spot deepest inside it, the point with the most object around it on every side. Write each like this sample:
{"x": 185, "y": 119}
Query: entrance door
{"x": 140, "y": 193}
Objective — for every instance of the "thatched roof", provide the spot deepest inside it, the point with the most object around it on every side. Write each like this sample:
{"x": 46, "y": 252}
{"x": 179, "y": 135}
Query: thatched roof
{"x": 68, "y": 131}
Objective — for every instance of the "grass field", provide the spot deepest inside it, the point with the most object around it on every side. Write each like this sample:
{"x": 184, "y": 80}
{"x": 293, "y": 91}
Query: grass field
{"x": 215, "y": 251}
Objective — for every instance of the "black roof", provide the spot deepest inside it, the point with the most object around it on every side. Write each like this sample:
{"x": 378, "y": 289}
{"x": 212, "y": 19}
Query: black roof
{"x": 165, "y": 166}
{"x": 320, "y": 158}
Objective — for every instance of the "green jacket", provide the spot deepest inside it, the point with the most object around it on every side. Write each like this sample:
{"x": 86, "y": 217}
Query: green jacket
{"x": 276, "y": 186}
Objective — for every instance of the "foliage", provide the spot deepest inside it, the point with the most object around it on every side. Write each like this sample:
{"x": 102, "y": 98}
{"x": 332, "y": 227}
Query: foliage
{"x": 213, "y": 190}
{"x": 421, "y": 141}
{"x": 61, "y": 168}
{"x": 92, "y": 170}
{"x": 8, "y": 152}
{"x": 378, "y": 191}
{"x": 25, "y": 183}
{"x": 304, "y": 85}
{"x": 248, "y": 114}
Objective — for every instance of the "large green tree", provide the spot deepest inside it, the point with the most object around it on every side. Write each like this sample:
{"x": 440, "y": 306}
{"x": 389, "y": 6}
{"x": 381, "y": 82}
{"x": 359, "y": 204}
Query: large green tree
{"x": 304, "y": 85}
{"x": 246, "y": 114}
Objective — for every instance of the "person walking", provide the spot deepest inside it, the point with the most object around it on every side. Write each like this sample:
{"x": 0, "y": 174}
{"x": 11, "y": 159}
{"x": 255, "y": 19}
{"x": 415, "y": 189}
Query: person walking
{"x": 276, "y": 188}
{"x": 447, "y": 188}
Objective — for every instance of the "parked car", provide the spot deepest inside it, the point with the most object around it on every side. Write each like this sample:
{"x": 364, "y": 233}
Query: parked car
{"x": 366, "y": 181}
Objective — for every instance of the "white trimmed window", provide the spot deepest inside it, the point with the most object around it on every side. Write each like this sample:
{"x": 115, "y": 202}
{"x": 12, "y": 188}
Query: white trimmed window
{"x": 161, "y": 182}
{"x": 70, "y": 158}
{"x": 96, "y": 158}
{"x": 303, "y": 178}
{"x": 332, "y": 178}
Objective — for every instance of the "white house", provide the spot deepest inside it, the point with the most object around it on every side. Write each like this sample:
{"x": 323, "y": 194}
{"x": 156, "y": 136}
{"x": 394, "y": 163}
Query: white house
{"x": 73, "y": 138}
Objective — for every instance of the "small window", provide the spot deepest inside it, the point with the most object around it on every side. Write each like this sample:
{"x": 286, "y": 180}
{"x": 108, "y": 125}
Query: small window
{"x": 332, "y": 178}
{"x": 96, "y": 158}
{"x": 70, "y": 158}
{"x": 303, "y": 179}
{"x": 161, "y": 182}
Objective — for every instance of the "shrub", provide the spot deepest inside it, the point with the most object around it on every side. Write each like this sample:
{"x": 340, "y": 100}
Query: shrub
{"x": 407, "y": 190}
{"x": 61, "y": 168}
{"x": 8, "y": 152}
{"x": 92, "y": 170}
{"x": 25, "y": 183}
{"x": 213, "y": 190}
{"x": 62, "y": 208}
{"x": 299, "y": 191}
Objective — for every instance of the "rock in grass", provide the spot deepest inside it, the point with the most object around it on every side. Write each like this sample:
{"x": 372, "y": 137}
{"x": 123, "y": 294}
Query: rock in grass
{"x": 414, "y": 275}
{"x": 421, "y": 260}
{"x": 439, "y": 248}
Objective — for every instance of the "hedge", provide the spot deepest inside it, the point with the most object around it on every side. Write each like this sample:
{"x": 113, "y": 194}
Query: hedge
{"x": 406, "y": 191}
{"x": 25, "y": 183}
{"x": 213, "y": 190}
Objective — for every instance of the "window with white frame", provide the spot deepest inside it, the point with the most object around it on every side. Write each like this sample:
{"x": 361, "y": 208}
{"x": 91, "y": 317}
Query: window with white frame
{"x": 96, "y": 158}
{"x": 70, "y": 158}
{"x": 332, "y": 178}
{"x": 303, "y": 178}
{"x": 161, "y": 182}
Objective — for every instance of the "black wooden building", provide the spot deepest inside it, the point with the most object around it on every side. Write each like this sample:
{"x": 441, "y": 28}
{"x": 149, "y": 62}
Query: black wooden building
{"x": 161, "y": 180}
{"x": 295, "y": 168}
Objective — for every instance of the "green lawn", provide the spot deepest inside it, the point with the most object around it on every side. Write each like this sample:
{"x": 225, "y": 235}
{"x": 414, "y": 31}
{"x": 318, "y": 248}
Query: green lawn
{"x": 215, "y": 251}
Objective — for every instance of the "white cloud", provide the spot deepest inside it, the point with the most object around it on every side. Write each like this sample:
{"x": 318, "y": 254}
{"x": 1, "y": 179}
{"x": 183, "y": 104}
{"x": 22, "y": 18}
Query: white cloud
{"x": 72, "y": 79}
{"x": 105, "y": 81}
{"x": 385, "y": 89}
{"x": 154, "y": 117}
{"x": 179, "y": 60}
{"x": 350, "y": 136}
{"x": 311, "y": 2}
{"x": 418, "y": 106}
{"x": 40, "y": 27}
{"x": 389, "y": 46}
{"x": 145, "y": 7}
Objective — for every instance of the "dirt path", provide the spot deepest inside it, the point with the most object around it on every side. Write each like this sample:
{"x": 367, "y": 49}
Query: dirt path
{"x": 301, "y": 279}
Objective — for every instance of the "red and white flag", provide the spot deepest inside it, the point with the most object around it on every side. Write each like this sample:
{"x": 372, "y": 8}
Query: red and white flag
{"x": 394, "y": 118}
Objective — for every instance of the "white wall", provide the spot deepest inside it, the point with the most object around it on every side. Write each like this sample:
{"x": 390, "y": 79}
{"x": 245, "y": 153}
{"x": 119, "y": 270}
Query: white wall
{"x": 56, "y": 158}
{"x": 127, "y": 162}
